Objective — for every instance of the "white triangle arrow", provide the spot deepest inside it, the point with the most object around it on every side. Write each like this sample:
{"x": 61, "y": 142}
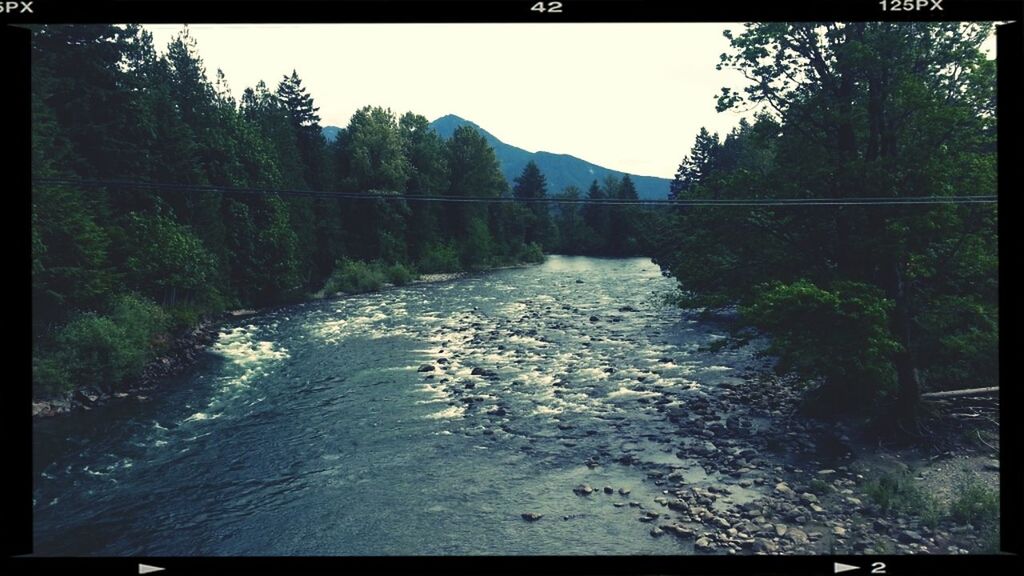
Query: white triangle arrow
{"x": 840, "y": 567}
{"x": 146, "y": 569}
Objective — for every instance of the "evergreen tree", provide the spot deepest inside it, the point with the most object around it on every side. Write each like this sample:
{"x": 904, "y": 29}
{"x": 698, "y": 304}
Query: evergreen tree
{"x": 531, "y": 186}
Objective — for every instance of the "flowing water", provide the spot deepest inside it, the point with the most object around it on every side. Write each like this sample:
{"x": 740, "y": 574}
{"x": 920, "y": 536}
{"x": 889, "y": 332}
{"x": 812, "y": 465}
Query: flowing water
{"x": 310, "y": 429}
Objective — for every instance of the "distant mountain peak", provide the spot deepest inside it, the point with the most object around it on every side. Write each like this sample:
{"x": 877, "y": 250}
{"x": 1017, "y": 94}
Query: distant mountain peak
{"x": 561, "y": 170}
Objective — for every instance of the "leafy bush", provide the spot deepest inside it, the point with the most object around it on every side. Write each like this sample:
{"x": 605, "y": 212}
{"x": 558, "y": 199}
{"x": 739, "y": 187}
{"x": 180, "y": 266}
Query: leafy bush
{"x": 165, "y": 259}
{"x": 476, "y": 247}
{"x": 897, "y": 492}
{"x": 100, "y": 350}
{"x": 439, "y": 258}
{"x": 398, "y": 274}
{"x": 819, "y": 487}
{"x": 840, "y": 335}
{"x": 355, "y": 277}
{"x": 975, "y": 503}
{"x": 531, "y": 253}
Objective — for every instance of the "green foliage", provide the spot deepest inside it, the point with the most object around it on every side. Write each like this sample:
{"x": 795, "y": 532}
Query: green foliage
{"x": 881, "y": 302}
{"x": 163, "y": 257}
{"x": 475, "y": 250}
{"x": 974, "y": 503}
{"x": 107, "y": 105}
{"x": 898, "y": 492}
{"x": 531, "y": 253}
{"x": 101, "y": 350}
{"x": 840, "y": 335}
{"x": 439, "y": 258}
{"x": 399, "y": 274}
{"x": 354, "y": 277}
{"x": 819, "y": 487}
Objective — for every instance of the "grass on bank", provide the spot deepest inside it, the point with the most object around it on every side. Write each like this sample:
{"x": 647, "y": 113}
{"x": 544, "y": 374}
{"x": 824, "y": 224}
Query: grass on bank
{"x": 972, "y": 503}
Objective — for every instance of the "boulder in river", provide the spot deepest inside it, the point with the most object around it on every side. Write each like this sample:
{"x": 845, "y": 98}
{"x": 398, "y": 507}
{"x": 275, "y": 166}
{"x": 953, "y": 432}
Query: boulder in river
{"x": 583, "y": 490}
{"x": 532, "y": 516}
{"x": 426, "y": 368}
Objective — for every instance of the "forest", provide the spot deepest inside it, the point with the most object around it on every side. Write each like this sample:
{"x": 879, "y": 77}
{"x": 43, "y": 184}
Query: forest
{"x": 118, "y": 269}
{"x": 875, "y": 302}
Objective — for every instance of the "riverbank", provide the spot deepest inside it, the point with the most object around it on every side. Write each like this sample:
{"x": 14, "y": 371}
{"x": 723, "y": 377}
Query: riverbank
{"x": 828, "y": 488}
{"x": 183, "y": 350}
{"x": 482, "y": 409}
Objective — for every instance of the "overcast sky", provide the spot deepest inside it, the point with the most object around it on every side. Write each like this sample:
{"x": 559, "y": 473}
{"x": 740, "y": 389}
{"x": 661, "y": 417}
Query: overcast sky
{"x": 630, "y": 97}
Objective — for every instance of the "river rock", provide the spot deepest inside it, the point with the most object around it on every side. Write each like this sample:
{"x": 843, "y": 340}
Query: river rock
{"x": 808, "y": 498}
{"x": 796, "y": 536}
{"x": 531, "y": 516}
{"x": 426, "y": 368}
{"x": 657, "y": 532}
{"x": 762, "y": 546}
{"x": 703, "y": 544}
{"x": 624, "y": 491}
{"x": 609, "y": 490}
{"x": 679, "y": 531}
{"x": 583, "y": 490}
{"x": 908, "y": 536}
{"x": 679, "y": 506}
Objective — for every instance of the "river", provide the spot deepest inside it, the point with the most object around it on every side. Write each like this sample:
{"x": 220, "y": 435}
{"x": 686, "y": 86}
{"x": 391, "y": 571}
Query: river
{"x": 317, "y": 429}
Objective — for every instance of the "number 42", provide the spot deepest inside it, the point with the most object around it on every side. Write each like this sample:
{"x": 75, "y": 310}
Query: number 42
{"x": 552, "y": 7}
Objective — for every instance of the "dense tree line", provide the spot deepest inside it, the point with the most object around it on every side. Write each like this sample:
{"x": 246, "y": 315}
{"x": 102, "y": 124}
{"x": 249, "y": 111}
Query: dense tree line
{"x": 877, "y": 303}
{"x": 116, "y": 270}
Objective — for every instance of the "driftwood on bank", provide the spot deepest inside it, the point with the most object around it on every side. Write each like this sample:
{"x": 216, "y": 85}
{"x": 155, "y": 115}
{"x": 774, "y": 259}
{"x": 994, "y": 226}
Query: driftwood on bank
{"x": 957, "y": 393}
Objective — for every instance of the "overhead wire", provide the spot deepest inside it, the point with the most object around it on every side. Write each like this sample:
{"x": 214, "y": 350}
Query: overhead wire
{"x": 391, "y": 195}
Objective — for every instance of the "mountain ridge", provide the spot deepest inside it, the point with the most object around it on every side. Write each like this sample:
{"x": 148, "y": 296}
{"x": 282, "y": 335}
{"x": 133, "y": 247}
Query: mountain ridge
{"x": 559, "y": 169}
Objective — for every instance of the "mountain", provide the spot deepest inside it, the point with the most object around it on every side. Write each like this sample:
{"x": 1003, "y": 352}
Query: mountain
{"x": 561, "y": 170}
{"x": 330, "y": 132}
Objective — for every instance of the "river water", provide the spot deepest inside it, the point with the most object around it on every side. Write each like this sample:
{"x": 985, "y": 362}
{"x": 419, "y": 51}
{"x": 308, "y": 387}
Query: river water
{"x": 310, "y": 429}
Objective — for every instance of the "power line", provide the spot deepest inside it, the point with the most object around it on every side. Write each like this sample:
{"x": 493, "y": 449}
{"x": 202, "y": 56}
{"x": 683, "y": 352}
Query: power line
{"x": 390, "y": 195}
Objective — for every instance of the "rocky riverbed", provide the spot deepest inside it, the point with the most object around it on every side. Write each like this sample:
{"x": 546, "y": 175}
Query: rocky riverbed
{"x": 557, "y": 409}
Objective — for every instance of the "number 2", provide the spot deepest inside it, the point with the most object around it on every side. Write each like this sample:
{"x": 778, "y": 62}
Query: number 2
{"x": 878, "y": 567}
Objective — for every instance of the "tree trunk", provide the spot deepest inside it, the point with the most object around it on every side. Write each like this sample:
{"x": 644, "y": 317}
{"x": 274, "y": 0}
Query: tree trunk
{"x": 907, "y": 375}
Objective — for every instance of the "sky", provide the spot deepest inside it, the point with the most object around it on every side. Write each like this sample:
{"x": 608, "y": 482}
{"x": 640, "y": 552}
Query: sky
{"x": 630, "y": 97}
